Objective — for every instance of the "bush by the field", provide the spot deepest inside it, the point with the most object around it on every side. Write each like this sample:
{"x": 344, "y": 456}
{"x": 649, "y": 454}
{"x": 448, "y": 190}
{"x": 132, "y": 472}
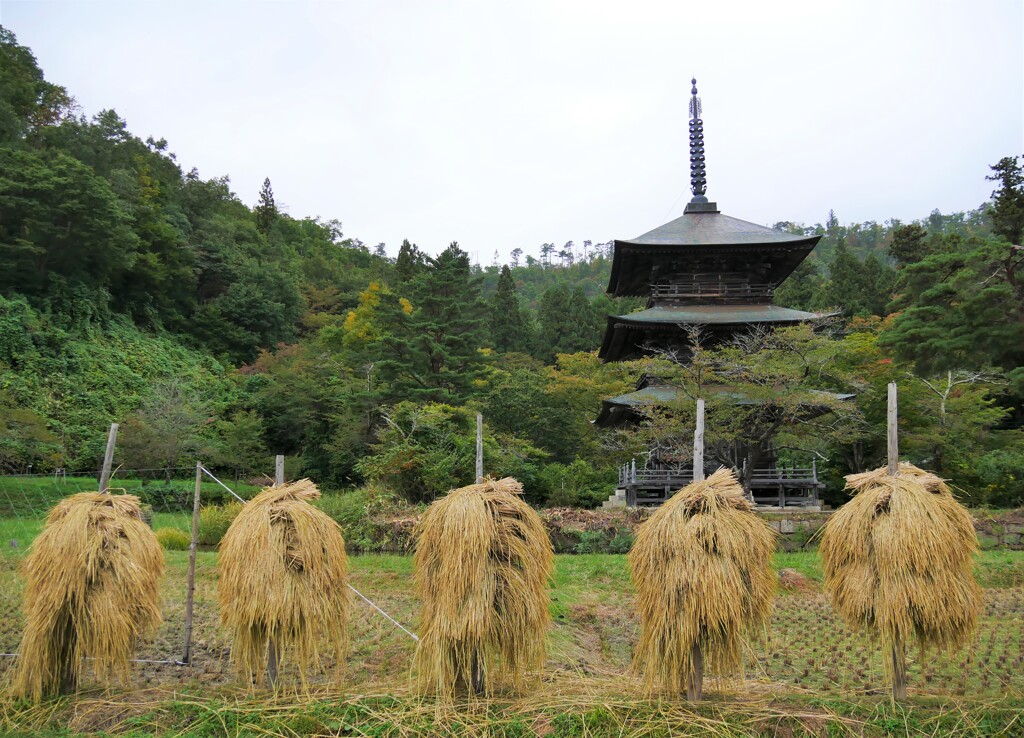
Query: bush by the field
{"x": 371, "y": 519}
{"x": 173, "y": 539}
{"x": 214, "y": 521}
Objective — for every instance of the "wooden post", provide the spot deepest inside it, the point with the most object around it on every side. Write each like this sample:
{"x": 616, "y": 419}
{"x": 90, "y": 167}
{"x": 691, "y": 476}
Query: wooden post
{"x": 272, "y": 655}
{"x": 899, "y": 672}
{"x": 186, "y": 657}
{"x": 695, "y": 684}
{"x": 892, "y": 436}
{"x": 899, "y": 664}
{"x": 477, "y": 676}
{"x": 698, "y": 444}
{"x": 108, "y": 458}
{"x": 479, "y": 448}
{"x": 272, "y": 663}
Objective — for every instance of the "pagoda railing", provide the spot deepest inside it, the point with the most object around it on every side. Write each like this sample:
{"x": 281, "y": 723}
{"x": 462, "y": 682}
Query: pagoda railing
{"x": 739, "y": 291}
{"x": 629, "y": 475}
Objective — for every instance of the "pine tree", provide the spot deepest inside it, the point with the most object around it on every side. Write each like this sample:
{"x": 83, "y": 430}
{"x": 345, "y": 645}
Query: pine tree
{"x": 509, "y": 329}
{"x": 910, "y": 244}
{"x": 448, "y": 328}
{"x": 568, "y": 323}
{"x": 800, "y": 288}
{"x": 1008, "y": 201}
{"x": 266, "y": 209}
{"x": 410, "y": 262}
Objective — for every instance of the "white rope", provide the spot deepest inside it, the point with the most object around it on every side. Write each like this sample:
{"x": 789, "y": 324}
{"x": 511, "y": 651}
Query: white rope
{"x": 361, "y": 595}
{"x": 207, "y": 473}
{"x": 371, "y": 604}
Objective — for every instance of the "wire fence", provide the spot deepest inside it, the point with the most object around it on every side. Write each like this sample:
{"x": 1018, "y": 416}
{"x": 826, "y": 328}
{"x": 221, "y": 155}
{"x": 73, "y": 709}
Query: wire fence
{"x": 190, "y": 634}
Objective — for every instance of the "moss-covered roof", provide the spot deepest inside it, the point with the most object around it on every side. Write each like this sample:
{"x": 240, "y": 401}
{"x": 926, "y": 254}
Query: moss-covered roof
{"x": 716, "y": 315}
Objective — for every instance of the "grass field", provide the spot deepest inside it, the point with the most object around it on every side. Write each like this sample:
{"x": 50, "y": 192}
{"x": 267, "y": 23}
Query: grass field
{"x": 25, "y": 500}
{"x": 807, "y": 675}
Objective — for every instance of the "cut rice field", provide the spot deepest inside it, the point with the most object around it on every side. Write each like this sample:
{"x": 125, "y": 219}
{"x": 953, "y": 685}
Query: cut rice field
{"x": 809, "y": 675}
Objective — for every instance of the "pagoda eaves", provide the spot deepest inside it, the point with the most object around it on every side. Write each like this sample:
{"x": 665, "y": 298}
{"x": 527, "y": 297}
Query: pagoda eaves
{"x": 705, "y": 235}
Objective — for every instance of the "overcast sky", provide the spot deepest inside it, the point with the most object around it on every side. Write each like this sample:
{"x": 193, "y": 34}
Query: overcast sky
{"x": 504, "y": 125}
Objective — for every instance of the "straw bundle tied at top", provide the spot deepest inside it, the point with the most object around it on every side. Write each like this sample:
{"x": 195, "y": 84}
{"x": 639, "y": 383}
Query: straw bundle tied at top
{"x": 702, "y": 568}
{"x": 91, "y": 582}
{"x": 898, "y": 559}
{"x": 483, "y": 560}
{"x": 283, "y": 577}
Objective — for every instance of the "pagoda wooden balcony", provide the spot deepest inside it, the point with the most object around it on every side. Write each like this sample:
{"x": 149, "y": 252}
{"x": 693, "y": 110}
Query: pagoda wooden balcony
{"x": 778, "y": 486}
{"x": 716, "y": 290}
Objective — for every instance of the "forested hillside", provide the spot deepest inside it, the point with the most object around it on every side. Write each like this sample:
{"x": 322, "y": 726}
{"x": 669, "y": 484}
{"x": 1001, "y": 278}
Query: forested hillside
{"x": 133, "y": 289}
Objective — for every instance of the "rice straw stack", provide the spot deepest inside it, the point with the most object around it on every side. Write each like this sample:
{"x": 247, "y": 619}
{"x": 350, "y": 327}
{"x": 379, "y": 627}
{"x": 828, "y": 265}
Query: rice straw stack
{"x": 898, "y": 560}
{"x": 284, "y": 582}
{"x": 483, "y": 560}
{"x": 702, "y": 568}
{"x": 91, "y": 581}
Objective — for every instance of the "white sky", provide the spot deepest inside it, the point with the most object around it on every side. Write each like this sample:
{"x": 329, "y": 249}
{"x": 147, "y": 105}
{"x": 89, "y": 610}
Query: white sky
{"x": 511, "y": 124}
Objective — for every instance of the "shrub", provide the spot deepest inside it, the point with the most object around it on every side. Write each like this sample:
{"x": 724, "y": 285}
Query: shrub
{"x": 173, "y": 539}
{"x": 362, "y": 514}
{"x": 347, "y": 509}
{"x": 215, "y": 520}
{"x": 578, "y": 484}
{"x": 428, "y": 449}
{"x": 621, "y": 543}
{"x": 1001, "y": 479}
{"x": 592, "y": 541}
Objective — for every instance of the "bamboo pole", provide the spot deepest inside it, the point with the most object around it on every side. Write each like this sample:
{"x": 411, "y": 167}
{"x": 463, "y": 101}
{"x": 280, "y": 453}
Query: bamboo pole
{"x": 108, "y": 458}
{"x": 899, "y": 664}
{"x": 186, "y": 657}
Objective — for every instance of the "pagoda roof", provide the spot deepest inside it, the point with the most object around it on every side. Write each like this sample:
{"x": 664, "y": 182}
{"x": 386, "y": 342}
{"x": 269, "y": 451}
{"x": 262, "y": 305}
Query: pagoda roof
{"x": 703, "y": 233}
{"x": 713, "y": 229}
{"x": 617, "y": 343}
{"x": 715, "y": 314}
{"x": 618, "y": 409}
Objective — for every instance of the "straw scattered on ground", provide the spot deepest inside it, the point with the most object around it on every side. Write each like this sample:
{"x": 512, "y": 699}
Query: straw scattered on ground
{"x": 898, "y": 560}
{"x": 284, "y": 579}
{"x": 702, "y": 568}
{"x": 483, "y": 560}
{"x": 91, "y": 580}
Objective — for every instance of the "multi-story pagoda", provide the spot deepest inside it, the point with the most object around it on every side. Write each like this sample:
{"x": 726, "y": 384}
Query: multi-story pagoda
{"x": 708, "y": 269}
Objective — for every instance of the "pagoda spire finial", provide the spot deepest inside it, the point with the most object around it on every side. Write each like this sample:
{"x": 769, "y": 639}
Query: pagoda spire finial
{"x": 698, "y": 171}
{"x": 698, "y": 174}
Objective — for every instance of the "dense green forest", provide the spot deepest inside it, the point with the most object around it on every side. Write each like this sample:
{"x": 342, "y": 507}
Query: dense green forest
{"x": 134, "y": 291}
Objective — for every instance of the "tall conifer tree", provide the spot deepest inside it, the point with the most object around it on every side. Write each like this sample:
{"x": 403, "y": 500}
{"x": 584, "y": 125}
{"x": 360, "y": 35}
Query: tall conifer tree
{"x": 410, "y": 262}
{"x": 509, "y": 329}
{"x": 266, "y": 209}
